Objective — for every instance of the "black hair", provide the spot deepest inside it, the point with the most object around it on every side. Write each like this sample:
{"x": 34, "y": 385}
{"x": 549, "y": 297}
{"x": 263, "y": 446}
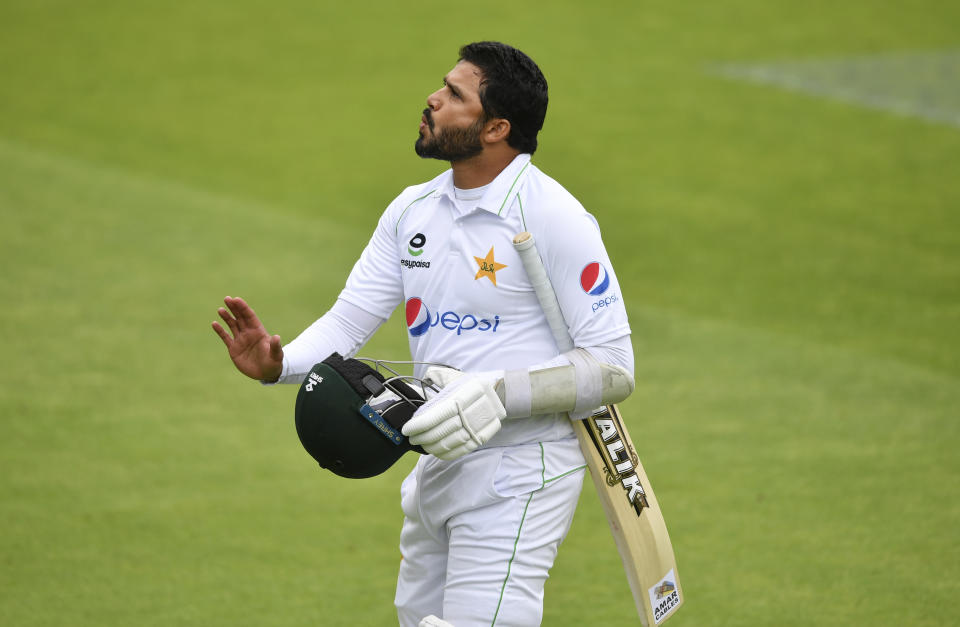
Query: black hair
{"x": 512, "y": 87}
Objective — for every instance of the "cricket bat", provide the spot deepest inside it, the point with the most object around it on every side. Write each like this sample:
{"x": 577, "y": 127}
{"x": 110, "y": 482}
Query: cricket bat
{"x": 628, "y": 500}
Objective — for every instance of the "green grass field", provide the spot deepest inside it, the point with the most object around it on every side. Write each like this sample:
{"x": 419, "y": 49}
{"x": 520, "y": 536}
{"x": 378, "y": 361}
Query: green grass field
{"x": 790, "y": 263}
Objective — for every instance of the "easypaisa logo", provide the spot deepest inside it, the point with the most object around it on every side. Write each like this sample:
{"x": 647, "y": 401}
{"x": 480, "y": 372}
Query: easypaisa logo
{"x": 415, "y": 249}
{"x": 416, "y": 244}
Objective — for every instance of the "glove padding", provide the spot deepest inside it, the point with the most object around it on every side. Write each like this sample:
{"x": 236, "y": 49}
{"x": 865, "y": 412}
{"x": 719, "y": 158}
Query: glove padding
{"x": 465, "y": 414}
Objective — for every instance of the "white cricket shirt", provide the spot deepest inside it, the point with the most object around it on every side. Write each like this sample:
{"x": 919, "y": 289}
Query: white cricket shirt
{"x": 467, "y": 299}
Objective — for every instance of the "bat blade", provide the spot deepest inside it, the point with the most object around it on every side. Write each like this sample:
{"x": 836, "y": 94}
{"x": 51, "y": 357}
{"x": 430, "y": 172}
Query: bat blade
{"x": 633, "y": 513}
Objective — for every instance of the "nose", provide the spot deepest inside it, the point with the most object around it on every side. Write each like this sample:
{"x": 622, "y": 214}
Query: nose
{"x": 433, "y": 100}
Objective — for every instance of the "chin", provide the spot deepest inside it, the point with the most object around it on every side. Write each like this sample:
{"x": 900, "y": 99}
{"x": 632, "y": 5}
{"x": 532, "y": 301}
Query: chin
{"x": 418, "y": 146}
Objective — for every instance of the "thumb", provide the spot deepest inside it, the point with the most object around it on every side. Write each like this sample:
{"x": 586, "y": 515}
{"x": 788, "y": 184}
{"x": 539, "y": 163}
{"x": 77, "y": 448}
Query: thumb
{"x": 442, "y": 376}
{"x": 276, "y": 351}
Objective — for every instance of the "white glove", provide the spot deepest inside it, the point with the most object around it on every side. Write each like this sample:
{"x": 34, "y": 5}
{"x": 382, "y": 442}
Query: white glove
{"x": 442, "y": 376}
{"x": 433, "y": 621}
{"x": 465, "y": 414}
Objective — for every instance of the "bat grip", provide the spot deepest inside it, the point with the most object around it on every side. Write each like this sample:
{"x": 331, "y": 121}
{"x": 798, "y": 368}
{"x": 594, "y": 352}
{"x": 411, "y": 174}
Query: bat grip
{"x": 526, "y": 248}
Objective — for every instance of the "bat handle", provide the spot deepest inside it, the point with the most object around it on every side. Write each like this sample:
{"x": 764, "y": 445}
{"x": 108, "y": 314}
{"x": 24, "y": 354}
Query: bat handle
{"x": 526, "y": 247}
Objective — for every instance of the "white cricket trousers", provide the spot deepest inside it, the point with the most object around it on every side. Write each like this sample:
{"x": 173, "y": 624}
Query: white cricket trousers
{"x": 480, "y": 533}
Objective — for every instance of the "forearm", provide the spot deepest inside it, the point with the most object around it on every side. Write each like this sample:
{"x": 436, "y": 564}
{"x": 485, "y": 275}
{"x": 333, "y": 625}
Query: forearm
{"x": 618, "y": 352}
{"x": 576, "y": 382}
{"x": 469, "y": 408}
{"x": 343, "y": 329}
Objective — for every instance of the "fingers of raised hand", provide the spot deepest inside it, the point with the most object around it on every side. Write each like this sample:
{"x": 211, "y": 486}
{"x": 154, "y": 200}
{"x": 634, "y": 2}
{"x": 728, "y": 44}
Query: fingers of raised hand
{"x": 245, "y": 316}
{"x": 230, "y": 320}
{"x": 222, "y": 333}
{"x": 236, "y": 307}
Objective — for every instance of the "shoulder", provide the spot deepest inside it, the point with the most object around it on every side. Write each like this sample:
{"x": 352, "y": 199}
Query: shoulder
{"x": 542, "y": 194}
{"x": 548, "y": 205}
{"x": 414, "y": 195}
{"x": 421, "y": 191}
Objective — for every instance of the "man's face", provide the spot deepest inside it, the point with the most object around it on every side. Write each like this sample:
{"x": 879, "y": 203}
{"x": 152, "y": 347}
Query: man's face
{"x": 453, "y": 121}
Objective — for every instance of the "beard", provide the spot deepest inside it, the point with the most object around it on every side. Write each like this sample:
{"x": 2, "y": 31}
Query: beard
{"x": 450, "y": 143}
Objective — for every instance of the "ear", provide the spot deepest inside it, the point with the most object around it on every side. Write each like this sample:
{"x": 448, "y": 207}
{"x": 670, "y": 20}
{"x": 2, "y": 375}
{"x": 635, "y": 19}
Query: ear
{"x": 496, "y": 130}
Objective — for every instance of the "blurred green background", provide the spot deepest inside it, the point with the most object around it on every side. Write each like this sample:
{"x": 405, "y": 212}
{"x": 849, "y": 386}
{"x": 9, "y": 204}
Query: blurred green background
{"x": 790, "y": 263}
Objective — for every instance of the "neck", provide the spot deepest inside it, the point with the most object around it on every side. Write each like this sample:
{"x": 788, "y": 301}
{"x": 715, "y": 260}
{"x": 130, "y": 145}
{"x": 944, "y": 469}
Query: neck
{"x": 479, "y": 170}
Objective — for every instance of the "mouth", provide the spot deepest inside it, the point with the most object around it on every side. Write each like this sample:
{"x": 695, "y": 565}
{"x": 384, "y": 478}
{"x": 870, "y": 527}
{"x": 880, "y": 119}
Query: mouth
{"x": 425, "y": 121}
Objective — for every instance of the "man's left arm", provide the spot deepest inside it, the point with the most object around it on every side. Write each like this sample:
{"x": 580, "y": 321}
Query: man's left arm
{"x": 470, "y": 407}
{"x": 599, "y": 371}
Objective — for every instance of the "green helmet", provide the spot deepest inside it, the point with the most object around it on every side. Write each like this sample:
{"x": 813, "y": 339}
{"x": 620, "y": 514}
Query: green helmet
{"x": 349, "y": 417}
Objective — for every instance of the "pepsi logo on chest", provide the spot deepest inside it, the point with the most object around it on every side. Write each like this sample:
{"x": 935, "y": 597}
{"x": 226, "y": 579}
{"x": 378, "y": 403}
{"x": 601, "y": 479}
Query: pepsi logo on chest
{"x": 420, "y": 320}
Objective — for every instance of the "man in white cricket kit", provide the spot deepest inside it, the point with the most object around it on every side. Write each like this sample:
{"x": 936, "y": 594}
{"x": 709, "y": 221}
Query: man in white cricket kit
{"x": 487, "y": 508}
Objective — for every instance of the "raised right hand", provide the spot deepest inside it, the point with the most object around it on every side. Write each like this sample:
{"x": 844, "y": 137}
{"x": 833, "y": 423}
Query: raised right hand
{"x": 254, "y": 352}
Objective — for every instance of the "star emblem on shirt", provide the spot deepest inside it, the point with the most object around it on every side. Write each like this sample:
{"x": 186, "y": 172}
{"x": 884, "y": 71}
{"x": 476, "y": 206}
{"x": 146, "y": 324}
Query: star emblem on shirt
{"x": 488, "y": 267}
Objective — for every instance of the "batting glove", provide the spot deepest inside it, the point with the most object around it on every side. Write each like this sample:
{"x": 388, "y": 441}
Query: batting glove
{"x": 465, "y": 414}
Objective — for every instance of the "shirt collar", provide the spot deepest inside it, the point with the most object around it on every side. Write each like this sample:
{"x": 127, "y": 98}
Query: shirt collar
{"x": 498, "y": 197}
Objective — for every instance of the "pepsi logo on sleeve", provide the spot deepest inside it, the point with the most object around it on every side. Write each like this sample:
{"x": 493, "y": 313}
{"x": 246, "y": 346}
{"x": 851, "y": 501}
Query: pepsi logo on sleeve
{"x": 594, "y": 279}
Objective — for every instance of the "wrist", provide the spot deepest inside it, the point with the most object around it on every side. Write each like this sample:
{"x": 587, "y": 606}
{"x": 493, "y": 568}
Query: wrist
{"x": 272, "y": 375}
